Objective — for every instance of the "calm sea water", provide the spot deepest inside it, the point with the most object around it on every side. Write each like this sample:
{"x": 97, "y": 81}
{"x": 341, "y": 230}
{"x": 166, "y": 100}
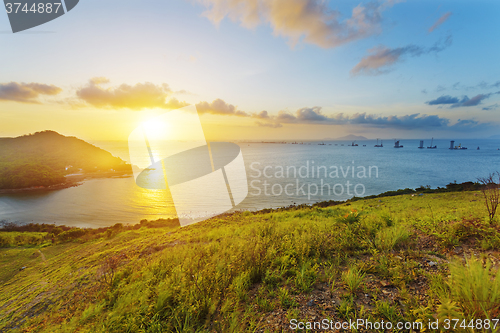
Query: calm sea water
{"x": 278, "y": 175}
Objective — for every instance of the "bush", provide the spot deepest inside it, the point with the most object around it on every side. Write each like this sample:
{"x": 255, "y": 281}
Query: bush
{"x": 352, "y": 217}
{"x": 71, "y": 234}
{"x": 4, "y": 241}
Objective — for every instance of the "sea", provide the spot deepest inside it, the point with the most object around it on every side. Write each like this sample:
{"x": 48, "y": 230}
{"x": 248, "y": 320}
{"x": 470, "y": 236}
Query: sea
{"x": 278, "y": 175}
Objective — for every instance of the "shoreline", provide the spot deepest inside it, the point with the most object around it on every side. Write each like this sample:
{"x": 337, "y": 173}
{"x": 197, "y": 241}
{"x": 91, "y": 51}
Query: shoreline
{"x": 420, "y": 191}
{"x": 72, "y": 180}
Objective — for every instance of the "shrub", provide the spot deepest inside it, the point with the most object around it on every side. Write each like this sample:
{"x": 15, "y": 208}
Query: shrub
{"x": 352, "y": 217}
{"x": 491, "y": 193}
{"x": 71, "y": 234}
{"x": 4, "y": 241}
{"x": 106, "y": 273}
{"x": 455, "y": 232}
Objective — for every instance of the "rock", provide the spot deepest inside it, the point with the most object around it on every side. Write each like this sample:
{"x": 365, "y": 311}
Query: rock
{"x": 23, "y": 268}
{"x": 310, "y": 303}
{"x": 432, "y": 263}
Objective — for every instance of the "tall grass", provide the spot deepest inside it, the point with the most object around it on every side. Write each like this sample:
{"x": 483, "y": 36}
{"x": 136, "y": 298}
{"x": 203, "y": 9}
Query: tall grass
{"x": 353, "y": 278}
{"x": 390, "y": 238}
{"x": 225, "y": 275}
{"x": 475, "y": 286}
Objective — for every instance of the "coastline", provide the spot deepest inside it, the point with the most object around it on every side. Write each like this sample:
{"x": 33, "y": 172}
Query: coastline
{"x": 72, "y": 180}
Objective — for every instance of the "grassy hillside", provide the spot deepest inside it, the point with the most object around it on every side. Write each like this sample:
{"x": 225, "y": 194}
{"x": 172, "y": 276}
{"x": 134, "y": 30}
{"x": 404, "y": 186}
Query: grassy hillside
{"x": 400, "y": 259}
{"x": 44, "y": 158}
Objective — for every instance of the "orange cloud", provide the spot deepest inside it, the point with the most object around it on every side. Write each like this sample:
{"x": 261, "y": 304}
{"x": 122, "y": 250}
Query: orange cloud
{"x": 26, "y": 92}
{"x": 136, "y": 97}
{"x": 219, "y": 106}
{"x": 440, "y": 21}
{"x": 308, "y": 20}
{"x": 380, "y": 58}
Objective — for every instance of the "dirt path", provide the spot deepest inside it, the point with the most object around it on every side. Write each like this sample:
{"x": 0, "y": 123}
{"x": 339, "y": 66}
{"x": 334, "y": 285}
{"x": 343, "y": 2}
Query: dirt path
{"x": 42, "y": 255}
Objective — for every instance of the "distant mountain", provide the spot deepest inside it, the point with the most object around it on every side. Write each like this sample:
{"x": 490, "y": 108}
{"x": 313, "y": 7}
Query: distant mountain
{"x": 349, "y": 137}
{"x": 45, "y": 158}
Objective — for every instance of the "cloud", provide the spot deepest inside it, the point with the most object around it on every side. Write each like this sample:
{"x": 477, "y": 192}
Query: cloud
{"x": 220, "y": 107}
{"x": 445, "y": 99}
{"x": 456, "y": 102}
{"x": 485, "y": 85}
{"x": 26, "y": 92}
{"x": 440, "y": 88}
{"x": 311, "y": 21}
{"x": 381, "y": 58}
{"x": 413, "y": 121}
{"x": 476, "y": 100}
{"x": 440, "y": 21}
{"x": 405, "y": 122}
{"x": 470, "y": 125}
{"x": 137, "y": 97}
{"x": 315, "y": 116}
{"x": 184, "y": 92}
{"x": 491, "y": 107}
{"x": 286, "y": 117}
{"x": 311, "y": 115}
{"x": 261, "y": 115}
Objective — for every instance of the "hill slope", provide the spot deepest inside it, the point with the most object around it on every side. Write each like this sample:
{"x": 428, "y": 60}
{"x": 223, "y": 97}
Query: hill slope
{"x": 349, "y": 137}
{"x": 397, "y": 259}
{"x": 44, "y": 158}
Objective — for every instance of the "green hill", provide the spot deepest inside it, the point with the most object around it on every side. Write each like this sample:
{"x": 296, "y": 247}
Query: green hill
{"x": 44, "y": 158}
{"x": 402, "y": 259}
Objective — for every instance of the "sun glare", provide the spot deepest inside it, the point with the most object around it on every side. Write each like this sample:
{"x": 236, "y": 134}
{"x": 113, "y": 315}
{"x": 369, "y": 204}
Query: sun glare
{"x": 157, "y": 130}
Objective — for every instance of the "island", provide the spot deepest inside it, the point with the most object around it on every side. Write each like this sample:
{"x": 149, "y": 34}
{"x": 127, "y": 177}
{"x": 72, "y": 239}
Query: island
{"x": 49, "y": 160}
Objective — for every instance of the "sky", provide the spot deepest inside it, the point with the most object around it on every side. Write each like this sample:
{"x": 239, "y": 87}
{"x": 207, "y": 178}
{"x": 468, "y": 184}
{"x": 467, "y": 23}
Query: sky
{"x": 257, "y": 70}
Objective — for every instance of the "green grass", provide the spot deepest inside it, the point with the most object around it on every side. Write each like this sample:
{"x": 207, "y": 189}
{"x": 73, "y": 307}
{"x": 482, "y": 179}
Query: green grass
{"x": 382, "y": 258}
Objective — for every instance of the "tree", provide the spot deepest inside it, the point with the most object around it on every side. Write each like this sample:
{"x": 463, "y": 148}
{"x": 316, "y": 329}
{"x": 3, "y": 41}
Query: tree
{"x": 491, "y": 193}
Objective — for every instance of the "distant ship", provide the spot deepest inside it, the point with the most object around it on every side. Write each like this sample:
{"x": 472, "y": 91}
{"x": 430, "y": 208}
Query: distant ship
{"x": 379, "y": 145}
{"x": 459, "y": 147}
{"x": 421, "y": 144}
{"x": 353, "y": 144}
{"x": 397, "y": 145}
{"x": 321, "y": 144}
{"x": 431, "y": 146}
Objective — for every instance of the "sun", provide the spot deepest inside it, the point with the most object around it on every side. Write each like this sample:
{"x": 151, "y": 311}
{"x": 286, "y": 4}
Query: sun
{"x": 157, "y": 131}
